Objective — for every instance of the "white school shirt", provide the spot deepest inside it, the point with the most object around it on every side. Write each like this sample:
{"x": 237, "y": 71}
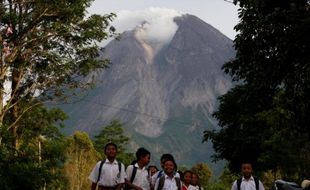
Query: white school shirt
{"x": 141, "y": 177}
{"x": 109, "y": 174}
{"x": 170, "y": 183}
{"x": 247, "y": 184}
{"x": 155, "y": 176}
{"x": 192, "y": 187}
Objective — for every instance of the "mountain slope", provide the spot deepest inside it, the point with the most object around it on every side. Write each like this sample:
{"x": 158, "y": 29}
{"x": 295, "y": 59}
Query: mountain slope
{"x": 164, "y": 93}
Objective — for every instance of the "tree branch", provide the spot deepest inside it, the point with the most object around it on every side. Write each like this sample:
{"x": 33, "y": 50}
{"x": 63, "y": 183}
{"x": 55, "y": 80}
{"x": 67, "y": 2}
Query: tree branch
{"x": 20, "y": 116}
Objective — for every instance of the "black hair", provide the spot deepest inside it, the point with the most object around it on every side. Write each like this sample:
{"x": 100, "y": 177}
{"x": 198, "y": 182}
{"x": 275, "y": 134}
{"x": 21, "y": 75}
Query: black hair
{"x": 152, "y": 166}
{"x": 246, "y": 162}
{"x": 181, "y": 175}
{"x": 165, "y": 157}
{"x": 172, "y": 160}
{"x": 142, "y": 152}
{"x": 109, "y": 144}
{"x": 188, "y": 171}
{"x": 184, "y": 173}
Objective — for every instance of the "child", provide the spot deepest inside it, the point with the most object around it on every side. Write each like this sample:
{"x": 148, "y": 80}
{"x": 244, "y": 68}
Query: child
{"x": 152, "y": 169}
{"x": 137, "y": 174}
{"x": 247, "y": 181}
{"x": 195, "y": 182}
{"x": 168, "y": 181}
{"x": 108, "y": 174}
{"x": 158, "y": 174}
{"x": 187, "y": 177}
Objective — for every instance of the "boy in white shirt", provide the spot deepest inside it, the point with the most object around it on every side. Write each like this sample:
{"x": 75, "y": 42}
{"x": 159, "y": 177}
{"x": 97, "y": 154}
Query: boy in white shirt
{"x": 108, "y": 174}
{"x": 247, "y": 181}
{"x": 137, "y": 174}
{"x": 159, "y": 173}
{"x": 168, "y": 181}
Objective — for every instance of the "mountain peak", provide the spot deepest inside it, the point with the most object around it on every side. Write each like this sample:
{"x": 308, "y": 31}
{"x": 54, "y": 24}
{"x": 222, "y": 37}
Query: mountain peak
{"x": 169, "y": 103}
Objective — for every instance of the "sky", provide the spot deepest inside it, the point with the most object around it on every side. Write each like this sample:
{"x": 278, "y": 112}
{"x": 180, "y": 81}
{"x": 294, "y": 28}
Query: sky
{"x": 219, "y": 13}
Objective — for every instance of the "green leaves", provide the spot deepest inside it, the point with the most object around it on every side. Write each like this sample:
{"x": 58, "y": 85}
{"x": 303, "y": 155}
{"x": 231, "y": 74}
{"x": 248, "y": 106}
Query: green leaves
{"x": 265, "y": 115}
{"x": 114, "y": 133}
{"x": 204, "y": 173}
{"x": 40, "y": 155}
{"x": 53, "y": 45}
{"x": 82, "y": 157}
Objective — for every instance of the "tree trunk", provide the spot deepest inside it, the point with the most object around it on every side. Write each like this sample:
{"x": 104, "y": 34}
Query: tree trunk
{"x": 3, "y": 72}
{"x": 1, "y": 101}
{"x": 15, "y": 111}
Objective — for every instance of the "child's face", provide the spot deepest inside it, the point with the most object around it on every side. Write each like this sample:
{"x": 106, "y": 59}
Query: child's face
{"x": 169, "y": 167}
{"x": 194, "y": 180}
{"x": 110, "y": 151}
{"x": 246, "y": 170}
{"x": 146, "y": 159}
{"x": 153, "y": 170}
{"x": 187, "y": 178}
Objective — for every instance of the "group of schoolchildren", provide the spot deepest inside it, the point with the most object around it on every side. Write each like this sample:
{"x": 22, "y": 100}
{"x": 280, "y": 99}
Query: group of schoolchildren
{"x": 110, "y": 174}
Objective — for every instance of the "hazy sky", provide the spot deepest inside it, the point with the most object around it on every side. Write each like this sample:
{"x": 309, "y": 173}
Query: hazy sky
{"x": 219, "y": 13}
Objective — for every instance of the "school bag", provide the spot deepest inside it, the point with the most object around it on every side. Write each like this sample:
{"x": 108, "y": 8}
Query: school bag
{"x": 162, "y": 182}
{"x": 100, "y": 168}
{"x": 160, "y": 173}
{"x": 256, "y": 180}
{"x": 133, "y": 175}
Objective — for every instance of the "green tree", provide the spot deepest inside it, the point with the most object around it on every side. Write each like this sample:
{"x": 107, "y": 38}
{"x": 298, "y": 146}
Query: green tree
{"x": 224, "y": 182}
{"x": 182, "y": 168}
{"x": 265, "y": 116}
{"x": 204, "y": 173}
{"x": 46, "y": 47}
{"x": 114, "y": 133}
{"x": 82, "y": 157}
{"x": 39, "y": 161}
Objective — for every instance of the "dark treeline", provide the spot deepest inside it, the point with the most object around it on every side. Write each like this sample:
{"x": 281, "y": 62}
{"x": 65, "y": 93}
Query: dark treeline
{"x": 265, "y": 117}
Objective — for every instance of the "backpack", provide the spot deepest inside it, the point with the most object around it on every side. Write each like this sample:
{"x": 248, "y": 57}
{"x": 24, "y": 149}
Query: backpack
{"x": 133, "y": 175}
{"x": 255, "y": 180}
{"x": 162, "y": 182}
{"x": 100, "y": 168}
{"x": 160, "y": 173}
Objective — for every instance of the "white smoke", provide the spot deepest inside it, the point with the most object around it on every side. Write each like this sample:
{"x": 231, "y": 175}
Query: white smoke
{"x": 155, "y": 25}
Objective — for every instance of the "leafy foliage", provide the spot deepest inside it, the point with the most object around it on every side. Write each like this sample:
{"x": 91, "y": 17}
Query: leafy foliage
{"x": 204, "y": 173}
{"x": 225, "y": 181}
{"x": 82, "y": 156}
{"x": 50, "y": 46}
{"x": 46, "y": 47}
{"x": 114, "y": 133}
{"x": 265, "y": 116}
{"x": 38, "y": 161}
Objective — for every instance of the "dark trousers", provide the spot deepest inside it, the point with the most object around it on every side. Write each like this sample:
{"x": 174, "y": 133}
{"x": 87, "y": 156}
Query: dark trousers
{"x": 106, "y": 188}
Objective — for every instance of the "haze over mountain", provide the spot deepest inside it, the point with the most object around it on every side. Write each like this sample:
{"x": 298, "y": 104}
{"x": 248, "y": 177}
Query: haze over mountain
{"x": 164, "y": 90}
